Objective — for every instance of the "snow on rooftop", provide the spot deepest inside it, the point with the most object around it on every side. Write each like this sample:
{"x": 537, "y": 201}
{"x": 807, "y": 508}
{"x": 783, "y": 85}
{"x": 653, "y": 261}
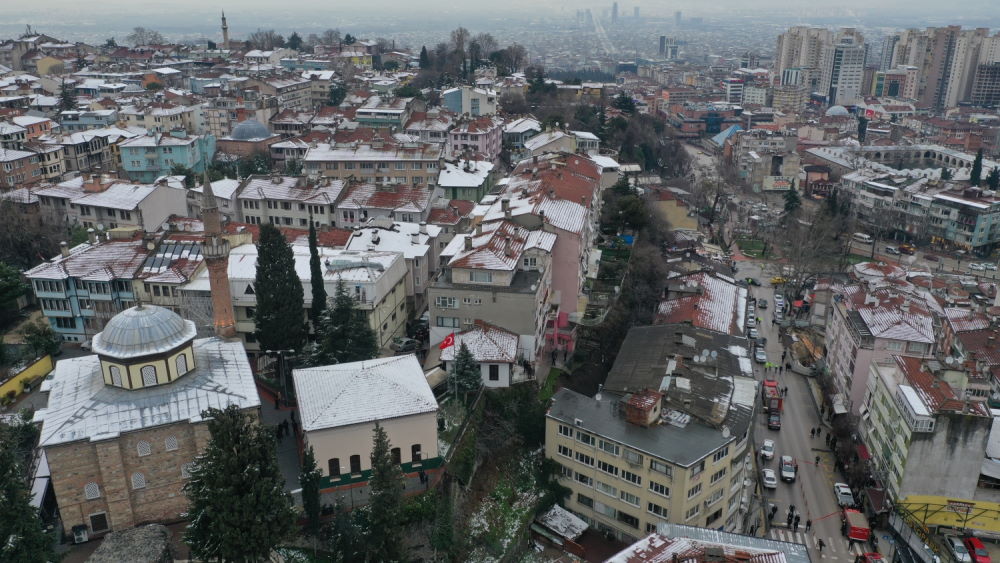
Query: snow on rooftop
{"x": 706, "y": 302}
{"x": 104, "y": 261}
{"x": 464, "y": 173}
{"x": 359, "y": 392}
{"x": 288, "y": 188}
{"x": 368, "y": 266}
{"x": 224, "y": 188}
{"x": 488, "y": 343}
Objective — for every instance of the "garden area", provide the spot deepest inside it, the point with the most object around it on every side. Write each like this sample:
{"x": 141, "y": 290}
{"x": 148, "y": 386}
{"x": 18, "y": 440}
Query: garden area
{"x": 754, "y": 247}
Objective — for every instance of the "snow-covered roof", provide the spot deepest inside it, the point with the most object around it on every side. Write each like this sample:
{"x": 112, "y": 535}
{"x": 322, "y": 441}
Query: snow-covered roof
{"x": 158, "y": 140}
{"x": 464, "y": 173}
{"x": 119, "y": 195}
{"x": 487, "y": 343}
{"x": 706, "y": 301}
{"x": 103, "y": 261}
{"x": 82, "y": 407}
{"x": 563, "y": 522}
{"x": 288, "y": 188}
{"x": 224, "y": 188}
{"x": 498, "y": 246}
{"x": 325, "y": 152}
{"x": 405, "y": 198}
{"x": 350, "y": 265}
{"x": 605, "y": 162}
{"x": 382, "y": 234}
{"x": 542, "y": 139}
{"x": 359, "y": 392}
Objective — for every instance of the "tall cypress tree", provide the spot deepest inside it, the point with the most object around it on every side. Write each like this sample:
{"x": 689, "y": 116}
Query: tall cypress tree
{"x": 993, "y": 179}
{"x": 239, "y": 508}
{"x": 279, "y": 293}
{"x": 385, "y": 502}
{"x": 67, "y": 97}
{"x": 22, "y": 537}
{"x": 976, "y": 174}
{"x": 465, "y": 373}
{"x": 315, "y": 277}
{"x": 343, "y": 334}
{"x": 425, "y": 60}
{"x": 309, "y": 479}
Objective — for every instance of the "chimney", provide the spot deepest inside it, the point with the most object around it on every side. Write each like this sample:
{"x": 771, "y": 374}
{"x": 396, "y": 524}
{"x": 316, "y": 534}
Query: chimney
{"x": 423, "y": 227}
{"x": 479, "y": 229}
{"x": 541, "y": 215}
{"x": 64, "y": 249}
{"x": 505, "y": 204}
{"x": 415, "y": 238}
{"x": 468, "y": 243}
{"x": 91, "y": 236}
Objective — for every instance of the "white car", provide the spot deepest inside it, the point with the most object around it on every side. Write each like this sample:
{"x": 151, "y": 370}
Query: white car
{"x": 843, "y": 493}
{"x": 788, "y": 468}
{"x": 770, "y": 480}
{"x": 958, "y": 549}
{"x": 760, "y": 356}
{"x": 990, "y": 266}
{"x": 779, "y": 300}
{"x": 751, "y": 322}
{"x": 977, "y": 267}
{"x": 752, "y": 334}
{"x": 767, "y": 449}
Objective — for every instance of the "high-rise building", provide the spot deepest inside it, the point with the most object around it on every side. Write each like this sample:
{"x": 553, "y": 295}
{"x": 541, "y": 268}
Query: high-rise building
{"x": 635, "y": 12}
{"x": 946, "y": 59}
{"x": 614, "y": 13}
{"x": 801, "y": 48}
{"x": 986, "y": 89}
{"x": 888, "y": 46}
{"x": 842, "y": 68}
{"x": 668, "y": 48}
{"x": 677, "y": 18}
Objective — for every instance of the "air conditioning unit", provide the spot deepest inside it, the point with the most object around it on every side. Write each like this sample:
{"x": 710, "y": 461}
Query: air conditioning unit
{"x": 80, "y": 534}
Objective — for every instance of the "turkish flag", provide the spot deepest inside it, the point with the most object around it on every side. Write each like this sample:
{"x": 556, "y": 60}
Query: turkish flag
{"x": 448, "y": 341}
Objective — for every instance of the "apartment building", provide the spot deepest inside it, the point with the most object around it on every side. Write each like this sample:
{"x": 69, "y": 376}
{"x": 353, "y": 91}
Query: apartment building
{"x": 842, "y": 65}
{"x": 86, "y": 151}
{"x": 914, "y": 411}
{"x": 430, "y": 126}
{"x": 288, "y": 201}
{"x": 501, "y": 274}
{"x": 150, "y": 156}
{"x": 646, "y": 450}
{"x": 481, "y": 137}
{"x": 376, "y": 162}
{"x": 18, "y": 167}
{"x": 766, "y": 160}
{"x": 870, "y": 325}
{"x": 470, "y": 100}
{"x": 292, "y": 92}
{"x": 72, "y": 121}
{"x": 378, "y": 111}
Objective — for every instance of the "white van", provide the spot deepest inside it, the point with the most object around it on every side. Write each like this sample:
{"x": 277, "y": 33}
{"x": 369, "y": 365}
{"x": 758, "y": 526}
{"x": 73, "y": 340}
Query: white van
{"x": 862, "y": 237}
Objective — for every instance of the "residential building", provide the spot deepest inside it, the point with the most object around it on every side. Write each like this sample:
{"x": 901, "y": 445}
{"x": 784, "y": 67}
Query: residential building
{"x": 802, "y": 48}
{"x": 430, "y": 126}
{"x": 225, "y": 192}
{"x": 733, "y": 88}
{"x": 704, "y": 300}
{"x": 647, "y": 450}
{"x": 789, "y": 97}
{"x": 870, "y": 325}
{"x": 409, "y": 203}
{"x": 84, "y": 287}
{"x": 148, "y": 157}
{"x": 416, "y": 242}
{"x": 105, "y": 203}
{"x": 376, "y": 162}
{"x": 465, "y": 179}
{"x": 480, "y": 138}
{"x": 453, "y": 216}
{"x": 516, "y": 132}
{"x": 675, "y": 541}
{"x": 122, "y": 428}
{"x": 340, "y": 405}
{"x": 986, "y": 88}
{"x": 766, "y": 160}
{"x": 914, "y": 411}
{"x": 171, "y": 264}
{"x": 17, "y": 168}
{"x": 289, "y": 201}
{"x": 377, "y": 111}
{"x": 500, "y": 274}
{"x": 293, "y": 92}
{"x": 946, "y": 59}
{"x": 164, "y": 117}
{"x": 86, "y": 151}
{"x": 494, "y": 349}
{"x": 12, "y": 136}
{"x": 470, "y": 100}
{"x": 842, "y": 65}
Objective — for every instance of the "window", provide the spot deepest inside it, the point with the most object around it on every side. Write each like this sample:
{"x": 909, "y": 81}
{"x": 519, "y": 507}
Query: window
{"x": 717, "y": 475}
{"x": 397, "y": 456}
{"x": 692, "y": 512}
{"x": 607, "y": 489}
{"x": 714, "y": 497}
{"x": 92, "y": 491}
{"x": 580, "y": 477}
{"x": 659, "y": 488}
{"x": 584, "y": 459}
{"x": 661, "y": 467}
{"x": 694, "y": 491}
{"x": 63, "y": 322}
{"x": 657, "y": 510}
{"x": 894, "y": 345}
{"x": 585, "y": 438}
{"x": 628, "y": 519}
{"x": 138, "y": 481}
{"x": 186, "y": 469}
{"x": 415, "y": 453}
{"x": 170, "y": 444}
{"x": 148, "y": 375}
{"x": 99, "y": 522}
{"x": 585, "y": 500}
{"x": 604, "y": 509}
{"x": 720, "y": 455}
{"x": 698, "y": 468}
{"x": 481, "y": 276}
{"x": 449, "y": 322}
{"x": 629, "y": 498}
{"x": 446, "y": 302}
{"x": 633, "y": 457}
{"x": 143, "y": 448}
{"x": 607, "y": 468}
{"x": 355, "y": 464}
{"x": 565, "y": 431}
{"x": 333, "y": 467}
{"x": 494, "y": 372}
{"x": 182, "y": 364}
{"x": 609, "y": 447}
{"x": 530, "y": 263}
{"x": 631, "y": 477}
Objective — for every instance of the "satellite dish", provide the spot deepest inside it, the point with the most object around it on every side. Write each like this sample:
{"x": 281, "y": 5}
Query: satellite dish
{"x": 100, "y": 226}
{"x": 725, "y": 432}
{"x": 714, "y": 354}
{"x": 950, "y": 361}
{"x": 704, "y": 353}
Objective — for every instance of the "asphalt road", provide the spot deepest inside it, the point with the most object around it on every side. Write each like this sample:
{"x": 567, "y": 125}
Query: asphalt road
{"x": 812, "y": 491}
{"x": 946, "y": 262}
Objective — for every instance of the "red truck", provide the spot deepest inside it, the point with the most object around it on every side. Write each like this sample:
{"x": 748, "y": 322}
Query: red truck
{"x": 854, "y": 525}
{"x": 771, "y": 396}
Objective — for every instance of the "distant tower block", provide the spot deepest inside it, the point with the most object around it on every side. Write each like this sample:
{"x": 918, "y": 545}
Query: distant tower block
{"x": 635, "y": 12}
{"x": 225, "y": 31}
{"x": 614, "y": 13}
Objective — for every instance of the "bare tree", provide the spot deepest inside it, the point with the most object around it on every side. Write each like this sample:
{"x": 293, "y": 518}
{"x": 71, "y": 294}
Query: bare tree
{"x": 517, "y": 56}
{"x": 143, "y": 36}
{"x": 266, "y": 39}
{"x": 330, "y": 37}
{"x": 459, "y": 39}
{"x": 487, "y": 44}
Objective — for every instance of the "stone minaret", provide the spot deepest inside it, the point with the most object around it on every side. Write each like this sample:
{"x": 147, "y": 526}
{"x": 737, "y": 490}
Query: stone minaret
{"x": 215, "y": 248}
{"x": 225, "y": 31}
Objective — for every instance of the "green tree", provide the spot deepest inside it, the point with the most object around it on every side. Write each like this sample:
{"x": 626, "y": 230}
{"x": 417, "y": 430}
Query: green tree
{"x": 315, "y": 277}
{"x": 239, "y": 508}
{"x": 792, "y": 201}
{"x": 40, "y": 339}
{"x": 154, "y": 86}
{"x": 309, "y": 479}
{"x": 11, "y": 285}
{"x": 443, "y": 534}
{"x": 279, "y": 293}
{"x": 385, "y": 504}
{"x": 862, "y": 129}
{"x": 465, "y": 373}
{"x": 625, "y": 103}
{"x": 350, "y": 39}
{"x": 110, "y": 43}
{"x": 67, "y": 96}
{"x": 346, "y": 534}
{"x": 976, "y": 174}
{"x": 343, "y": 334}
{"x": 946, "y": 173}
{"x": 390, "y": 66}
{"x": 425, "y": 59}
{"x": 295, "y": 41}
{"x": 337, "y": 95}
{"x": 993, "y": 179}
{"x": 293, "y": 167}
{"x": 24, "y": 538}
{"x": 409, "y": 91}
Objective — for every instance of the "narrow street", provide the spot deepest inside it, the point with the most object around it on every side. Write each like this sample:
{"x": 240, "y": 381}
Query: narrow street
{"x": 812, "y": 491}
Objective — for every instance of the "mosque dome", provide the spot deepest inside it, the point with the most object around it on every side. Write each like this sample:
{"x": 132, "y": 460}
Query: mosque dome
{"x": 833, "y": 111}
{"x": 143, "y": 330}
{"x": 249, "y": 130}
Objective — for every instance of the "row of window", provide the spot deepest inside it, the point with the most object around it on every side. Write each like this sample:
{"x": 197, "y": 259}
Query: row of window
{"x": 333, "y": 464}
{"x": 92, "y": 491}
{"x": 380, "y": 165}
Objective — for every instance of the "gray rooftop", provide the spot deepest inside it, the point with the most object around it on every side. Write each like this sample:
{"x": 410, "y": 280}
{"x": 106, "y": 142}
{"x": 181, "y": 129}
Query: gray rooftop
{"x": 143, "y": 330}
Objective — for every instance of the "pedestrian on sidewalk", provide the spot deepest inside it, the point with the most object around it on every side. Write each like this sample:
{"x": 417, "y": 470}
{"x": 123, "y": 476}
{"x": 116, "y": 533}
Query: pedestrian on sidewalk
{"x": 827, "y": 438}
{"x": 812, "y": 432}
{"x": 795, "y": 524}
{"x": 820, "y": 545}
{"x": 809, "y": 525}
{"x": 817, "y": 461}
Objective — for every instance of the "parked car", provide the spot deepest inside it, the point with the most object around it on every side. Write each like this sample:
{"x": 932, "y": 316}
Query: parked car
{"x": 767, "y": 449}
{"x": 752, "y": 281}
{"x": 779, "y": 300}
{"x": 779, "y": 315}
{"x": 752, "y": 334}
{"x": 843, "y": 493}
{"x": 892, "y": 250}
{"x": 977, "y": 550}
{"x": 751, "y": 322}
{"x": 977, "y": 267}
{"x": 403, "y": 345}
{"x": 770, "y": 481}
{"x": 958, "y": 550}
{"x": 774, "y": 421}
{"x": 931, "y": 258}
{"x": 907, "y": 249}
{"x": 762, "y": 303}
{"x": 760, "y": 356}
{"x": 990, "y": 266}
{"x": 788, "y": 468}
{"x": 778, "y": 280}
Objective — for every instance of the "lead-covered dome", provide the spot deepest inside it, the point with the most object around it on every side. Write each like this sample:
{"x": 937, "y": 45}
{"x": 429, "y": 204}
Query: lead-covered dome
{"x": 143, "y": 330}
{"x": 249, "y": 130}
